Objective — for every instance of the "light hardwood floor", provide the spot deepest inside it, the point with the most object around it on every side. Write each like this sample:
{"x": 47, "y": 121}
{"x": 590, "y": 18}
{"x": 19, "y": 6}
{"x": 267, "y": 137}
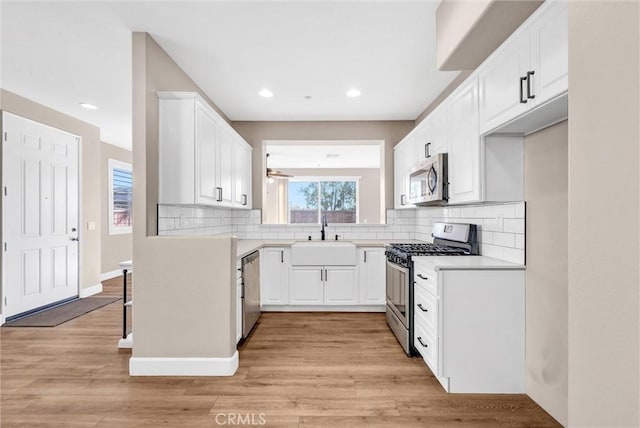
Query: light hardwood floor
{"x": 297, "y": 370}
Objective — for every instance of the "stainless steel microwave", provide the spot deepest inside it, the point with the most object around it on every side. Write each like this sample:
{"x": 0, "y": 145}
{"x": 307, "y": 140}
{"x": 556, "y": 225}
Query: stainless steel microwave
{"x": 428, "y": 182}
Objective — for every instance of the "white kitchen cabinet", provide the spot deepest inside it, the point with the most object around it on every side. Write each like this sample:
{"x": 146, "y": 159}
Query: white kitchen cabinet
{"x": 549, "y": 52}
{"x": 340, "y": 285}
{"x": 224, "y": 167}
{"x": 402, "y": 162}
{"x": 464, "y": 144}
{"x": 238, "y": 300}
{"x": 242, "y": 174}
{"x": 307, "y": 285}
{"x": 197, "y": 162}
{"x": 430, "y": 136}
{"x": 528, "y": 69}
{"x": 238, "y": 310}
{"x": 323, "y": 285}
{"x": 469, "y": 326}
{"x": 274, "y": 275}
{"x": 371, "y": 276}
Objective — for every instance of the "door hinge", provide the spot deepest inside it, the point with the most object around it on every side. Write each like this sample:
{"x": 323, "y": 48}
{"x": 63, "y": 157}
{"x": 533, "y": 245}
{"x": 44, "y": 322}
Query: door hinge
{"x": 5, "y": 246}
{"x": 5, "y": 135}
{"x": 5, "y": 300}
{"x": 5, "y": 190}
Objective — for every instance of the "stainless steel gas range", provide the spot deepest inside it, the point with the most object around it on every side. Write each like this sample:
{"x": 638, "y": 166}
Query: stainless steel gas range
{"x": 450, "y": 239}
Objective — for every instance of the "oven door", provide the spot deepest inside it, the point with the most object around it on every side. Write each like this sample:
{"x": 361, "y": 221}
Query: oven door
{"x": 398, "y": 291}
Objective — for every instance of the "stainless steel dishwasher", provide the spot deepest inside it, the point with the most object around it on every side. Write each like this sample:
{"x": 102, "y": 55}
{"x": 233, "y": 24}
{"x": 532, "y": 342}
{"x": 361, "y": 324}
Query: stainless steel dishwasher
{"x": 250, "y": 292}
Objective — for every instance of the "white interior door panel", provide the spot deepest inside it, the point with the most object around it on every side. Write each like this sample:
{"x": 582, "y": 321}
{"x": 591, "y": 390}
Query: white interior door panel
{"x": 40, "y": 215}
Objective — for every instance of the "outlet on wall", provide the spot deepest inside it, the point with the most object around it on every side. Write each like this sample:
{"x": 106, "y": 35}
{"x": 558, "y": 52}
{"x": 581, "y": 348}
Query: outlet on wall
{"x": 91, "y": 225}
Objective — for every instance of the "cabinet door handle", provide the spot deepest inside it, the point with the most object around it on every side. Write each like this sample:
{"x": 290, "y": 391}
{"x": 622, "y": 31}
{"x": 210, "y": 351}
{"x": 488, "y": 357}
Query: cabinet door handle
{"x": 421, "y": 276}
{"x": 421, "y": 342}
{"x": 529, "y": 94}
{"x": 326, "y": 277}
{"x": 427, "y": 150}
{"x": 522, "y": 99}
{"x": 402, "y": 199}
{"x": 244, "y": 199}
{"x": 219, "y": 189}
{"x": 321, "y": 279}
{"x": 422, "y": 308}
{"x": 365, "y": 256}
{"x": 282, "y": 256}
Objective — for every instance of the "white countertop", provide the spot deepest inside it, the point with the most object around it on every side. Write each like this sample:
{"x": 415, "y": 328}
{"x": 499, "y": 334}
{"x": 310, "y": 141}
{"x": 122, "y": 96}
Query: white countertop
{"x": 464, "y": 263}
{"x": 247, "y": 246}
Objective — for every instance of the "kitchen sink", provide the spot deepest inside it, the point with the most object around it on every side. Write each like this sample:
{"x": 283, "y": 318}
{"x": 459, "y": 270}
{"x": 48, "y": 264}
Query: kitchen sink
{"x": 323, "y": 253}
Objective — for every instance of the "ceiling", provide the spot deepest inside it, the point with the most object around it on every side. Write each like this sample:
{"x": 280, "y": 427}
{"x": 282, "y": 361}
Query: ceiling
{"x": 63, "y": 53}
{"x": 310, "y": 155}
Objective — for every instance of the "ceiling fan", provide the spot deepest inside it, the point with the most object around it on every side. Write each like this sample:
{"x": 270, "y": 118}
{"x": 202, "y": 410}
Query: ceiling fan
{"x": 273, "y": 174}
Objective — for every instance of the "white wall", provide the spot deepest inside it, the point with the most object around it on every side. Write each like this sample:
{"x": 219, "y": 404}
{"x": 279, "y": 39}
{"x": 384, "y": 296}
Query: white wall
{"x": 604, "y": 208}
{"x": 547, "y": 277}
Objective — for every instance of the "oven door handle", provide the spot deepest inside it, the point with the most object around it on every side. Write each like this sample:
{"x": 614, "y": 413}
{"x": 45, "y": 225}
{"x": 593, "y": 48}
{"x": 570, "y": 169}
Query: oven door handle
{"x": 421, "y": 342}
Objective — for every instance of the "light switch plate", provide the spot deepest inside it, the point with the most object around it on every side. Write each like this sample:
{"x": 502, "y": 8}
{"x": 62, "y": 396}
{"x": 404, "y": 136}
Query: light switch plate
{"x": 91, "y": 225}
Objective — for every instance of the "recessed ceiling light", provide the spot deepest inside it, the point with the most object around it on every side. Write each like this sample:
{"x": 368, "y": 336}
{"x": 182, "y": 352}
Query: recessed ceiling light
{"x": 353, "y": 92}
{"x": 333, "y": 155}
{"x": 266, "y": 93}
{"x": 308, "y": 97}
{"x": 89, "y": 106}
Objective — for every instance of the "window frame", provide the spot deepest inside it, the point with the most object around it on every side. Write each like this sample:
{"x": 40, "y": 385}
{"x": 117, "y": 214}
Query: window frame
{"x": 116, "y": 164}
{"x": 319, "y": 179}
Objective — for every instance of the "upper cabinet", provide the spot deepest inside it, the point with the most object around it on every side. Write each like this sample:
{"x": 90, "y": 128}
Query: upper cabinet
{"x": 464, "y": 144}
{"x": 550, "y": 52}
{"x": 403, "y": 155}
{"x": 530, "y": 68}
{"x": 242, "y": 185}
{"x": 519, "y": 89}
{"x": 430, "y": 136}
{"x": 202, "y": 160}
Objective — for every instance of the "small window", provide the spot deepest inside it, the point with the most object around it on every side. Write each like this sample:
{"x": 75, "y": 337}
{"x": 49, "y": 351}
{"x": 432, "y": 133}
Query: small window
{"x": 120, "y": 197}
{"x": 335, "y": 197}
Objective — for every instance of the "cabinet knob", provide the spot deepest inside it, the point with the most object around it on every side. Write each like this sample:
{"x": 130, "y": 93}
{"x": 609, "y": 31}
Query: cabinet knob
{"x": 421, "y": 342}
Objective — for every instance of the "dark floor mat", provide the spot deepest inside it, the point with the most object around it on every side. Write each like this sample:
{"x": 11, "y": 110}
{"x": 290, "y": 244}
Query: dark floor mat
{"x": 63, "y": 313}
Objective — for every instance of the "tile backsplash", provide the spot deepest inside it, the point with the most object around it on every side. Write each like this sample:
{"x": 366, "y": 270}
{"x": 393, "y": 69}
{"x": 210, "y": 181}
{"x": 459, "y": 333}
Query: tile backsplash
{"x": 501, "y": 227}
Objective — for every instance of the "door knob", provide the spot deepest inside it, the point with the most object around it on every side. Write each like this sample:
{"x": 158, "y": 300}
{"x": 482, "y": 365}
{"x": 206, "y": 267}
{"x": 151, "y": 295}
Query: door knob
{"x": 75, "y": 239}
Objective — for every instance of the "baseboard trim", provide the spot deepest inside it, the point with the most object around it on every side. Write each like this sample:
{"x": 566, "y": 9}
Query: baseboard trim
{"x": 109, "y": 275}
{"x": 139, "y": 366}
{"x": 323, "y": 308}
{"x": 90, "y": 291}
{"x": 126, "y": 343}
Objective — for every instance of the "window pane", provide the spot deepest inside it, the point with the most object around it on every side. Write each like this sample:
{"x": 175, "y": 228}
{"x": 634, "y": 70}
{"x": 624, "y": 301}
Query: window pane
{"x": 338, "y": 201}
{"x": 303, "y": 202}
{"x": 122, "y": 197}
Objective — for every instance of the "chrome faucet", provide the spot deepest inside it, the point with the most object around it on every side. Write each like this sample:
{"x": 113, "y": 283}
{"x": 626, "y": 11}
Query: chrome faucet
{"x": 323, "y": 220}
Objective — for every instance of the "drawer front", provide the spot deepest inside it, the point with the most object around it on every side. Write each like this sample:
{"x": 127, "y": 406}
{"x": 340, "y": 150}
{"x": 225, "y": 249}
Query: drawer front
{"x": 427, "y": 346}
{"x": 426, "y": 309}
{"x": 426, "y": 279}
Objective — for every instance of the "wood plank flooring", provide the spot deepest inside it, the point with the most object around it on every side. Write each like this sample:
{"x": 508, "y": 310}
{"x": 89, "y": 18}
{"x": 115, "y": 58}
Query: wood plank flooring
{"x": 296, "y": 370}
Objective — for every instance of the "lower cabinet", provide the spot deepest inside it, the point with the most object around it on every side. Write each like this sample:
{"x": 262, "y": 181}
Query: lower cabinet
{"x": 323, "y": 285}
{"x": 274, "y": 275}
{"x": 283, "y": 285}
{"x": 306, "y": 285}
{"x": 469, "y": 328}
{"x": 238, "y": 301}
{"x": 371, "y": 276}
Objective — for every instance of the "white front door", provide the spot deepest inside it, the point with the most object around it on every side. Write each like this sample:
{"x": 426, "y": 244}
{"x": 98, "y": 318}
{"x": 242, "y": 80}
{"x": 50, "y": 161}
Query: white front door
{"x": 39, "y": 215}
